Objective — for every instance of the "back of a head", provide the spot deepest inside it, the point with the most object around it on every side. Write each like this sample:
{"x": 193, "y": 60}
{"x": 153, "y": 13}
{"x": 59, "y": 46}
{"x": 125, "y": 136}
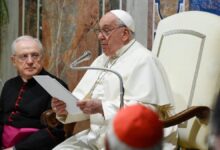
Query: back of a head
{"x": 135, "y": 127}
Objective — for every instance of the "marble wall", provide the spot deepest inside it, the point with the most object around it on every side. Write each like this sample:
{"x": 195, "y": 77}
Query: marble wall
{"x": 30, "y": 18}
{"x": 67, "y": 31}
{"x": 7, "y": 34}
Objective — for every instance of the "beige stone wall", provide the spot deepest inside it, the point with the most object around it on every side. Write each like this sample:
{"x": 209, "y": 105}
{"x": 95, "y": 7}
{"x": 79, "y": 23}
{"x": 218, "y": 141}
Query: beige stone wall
{"x": 8, "y": 33}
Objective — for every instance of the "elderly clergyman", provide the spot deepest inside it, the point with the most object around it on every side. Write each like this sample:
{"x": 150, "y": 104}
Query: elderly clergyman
{"x": 143, "y": 76}
{"x": 23, "y": 100}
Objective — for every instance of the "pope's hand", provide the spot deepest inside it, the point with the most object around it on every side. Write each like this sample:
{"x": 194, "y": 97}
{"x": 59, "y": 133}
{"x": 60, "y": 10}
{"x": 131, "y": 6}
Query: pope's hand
{"x": 90, "y": 106}
{"x": 59, "y": 107}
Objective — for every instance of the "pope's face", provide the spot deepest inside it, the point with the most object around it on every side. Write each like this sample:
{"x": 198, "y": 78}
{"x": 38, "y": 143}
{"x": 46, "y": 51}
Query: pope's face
{"x": 110, "y": 34}
{"x": 28, "y": 59}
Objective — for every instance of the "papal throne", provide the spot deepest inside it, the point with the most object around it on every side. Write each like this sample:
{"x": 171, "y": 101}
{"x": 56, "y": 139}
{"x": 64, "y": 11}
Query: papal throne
{"x": 188, "y": 45}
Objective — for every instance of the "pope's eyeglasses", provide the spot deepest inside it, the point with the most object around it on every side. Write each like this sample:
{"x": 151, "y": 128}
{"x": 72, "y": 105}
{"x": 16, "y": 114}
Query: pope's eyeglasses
{"x": 107, "y": 32}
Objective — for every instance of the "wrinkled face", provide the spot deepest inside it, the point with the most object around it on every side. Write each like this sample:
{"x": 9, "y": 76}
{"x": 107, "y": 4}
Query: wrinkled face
{"x": 28, "y": 59}
{"x": 111, "y": 35}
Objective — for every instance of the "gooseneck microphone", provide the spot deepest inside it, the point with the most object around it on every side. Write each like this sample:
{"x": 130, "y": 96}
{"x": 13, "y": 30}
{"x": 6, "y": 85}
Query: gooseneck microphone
{"x": 86, "y": 57}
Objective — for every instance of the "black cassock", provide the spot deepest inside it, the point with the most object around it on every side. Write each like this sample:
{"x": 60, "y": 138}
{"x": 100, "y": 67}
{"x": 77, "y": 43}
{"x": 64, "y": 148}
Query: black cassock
{"x": 21, "y": 106}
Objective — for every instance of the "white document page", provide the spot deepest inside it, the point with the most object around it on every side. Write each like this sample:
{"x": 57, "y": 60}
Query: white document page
{"x": 57, "y": 90}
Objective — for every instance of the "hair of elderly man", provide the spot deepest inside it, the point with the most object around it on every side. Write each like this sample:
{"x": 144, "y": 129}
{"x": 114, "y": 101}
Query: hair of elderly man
{"x": 24, "y": 38}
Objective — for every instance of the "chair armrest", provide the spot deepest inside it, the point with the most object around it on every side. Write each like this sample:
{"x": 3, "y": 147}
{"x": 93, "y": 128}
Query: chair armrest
{"x": 201, "y": 112}
{"x": 48, "y": 118}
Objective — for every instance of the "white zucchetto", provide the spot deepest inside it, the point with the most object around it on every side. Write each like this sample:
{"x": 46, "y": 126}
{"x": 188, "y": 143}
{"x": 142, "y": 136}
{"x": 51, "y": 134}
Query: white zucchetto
{"x": 125, "y": 17}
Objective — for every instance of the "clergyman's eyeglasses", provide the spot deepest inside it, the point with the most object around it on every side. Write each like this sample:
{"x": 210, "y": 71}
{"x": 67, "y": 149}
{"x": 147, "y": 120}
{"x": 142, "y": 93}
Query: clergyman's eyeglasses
{"x": 24, "y": 57}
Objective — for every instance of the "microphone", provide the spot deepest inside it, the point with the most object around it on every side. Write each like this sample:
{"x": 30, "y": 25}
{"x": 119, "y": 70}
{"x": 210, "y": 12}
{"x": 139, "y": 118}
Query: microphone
{"x": 74, "y": 67}
{"x": 84, "y": 57}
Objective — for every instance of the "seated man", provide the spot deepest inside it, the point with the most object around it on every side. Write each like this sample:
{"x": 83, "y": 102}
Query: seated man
{"x": 133, "y": 128}
{"x": 23, "y": 101}
{"x": 144, "y": 80}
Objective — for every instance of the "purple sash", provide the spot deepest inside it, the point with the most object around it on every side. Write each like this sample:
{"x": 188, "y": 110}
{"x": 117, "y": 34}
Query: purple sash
{"x": 12, "y": 135}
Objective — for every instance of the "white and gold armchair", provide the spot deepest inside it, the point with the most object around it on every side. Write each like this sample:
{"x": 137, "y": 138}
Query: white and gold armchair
{"x": 188, "y": 45}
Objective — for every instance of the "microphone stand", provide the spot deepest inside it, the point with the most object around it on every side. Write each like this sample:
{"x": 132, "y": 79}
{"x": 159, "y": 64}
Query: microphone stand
{"x": 105, "y": 69}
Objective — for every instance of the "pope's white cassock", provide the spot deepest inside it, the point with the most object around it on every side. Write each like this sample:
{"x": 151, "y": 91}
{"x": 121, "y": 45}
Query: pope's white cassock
{"x": 144, "y": 81}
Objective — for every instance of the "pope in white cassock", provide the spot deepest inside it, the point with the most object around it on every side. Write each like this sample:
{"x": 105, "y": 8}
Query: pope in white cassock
{"x": 144, "y": 79}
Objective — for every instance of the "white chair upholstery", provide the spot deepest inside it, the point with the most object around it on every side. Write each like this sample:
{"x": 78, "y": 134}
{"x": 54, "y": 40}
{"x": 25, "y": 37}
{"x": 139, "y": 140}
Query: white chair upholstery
{"x": 188, "y": 45}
